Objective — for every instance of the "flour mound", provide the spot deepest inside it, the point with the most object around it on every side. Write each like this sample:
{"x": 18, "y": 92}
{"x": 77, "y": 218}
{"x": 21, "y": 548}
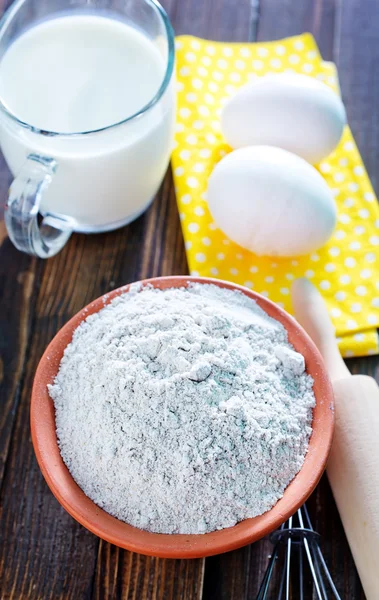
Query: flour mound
{"x": 175, "y": 412}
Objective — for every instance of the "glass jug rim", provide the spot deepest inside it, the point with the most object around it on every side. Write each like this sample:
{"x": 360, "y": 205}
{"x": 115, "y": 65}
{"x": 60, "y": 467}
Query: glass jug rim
{"x": 12, "y": 11}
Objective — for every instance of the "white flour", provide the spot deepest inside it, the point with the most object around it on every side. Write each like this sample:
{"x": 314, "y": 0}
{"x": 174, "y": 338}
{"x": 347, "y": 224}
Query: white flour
{"x": 182, "y": 411}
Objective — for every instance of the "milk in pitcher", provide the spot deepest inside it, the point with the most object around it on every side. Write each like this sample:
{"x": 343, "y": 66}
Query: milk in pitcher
{"x": 89, "y": 74}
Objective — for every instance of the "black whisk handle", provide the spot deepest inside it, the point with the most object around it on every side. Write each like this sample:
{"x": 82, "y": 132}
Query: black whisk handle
{"x": 296, "y": 534}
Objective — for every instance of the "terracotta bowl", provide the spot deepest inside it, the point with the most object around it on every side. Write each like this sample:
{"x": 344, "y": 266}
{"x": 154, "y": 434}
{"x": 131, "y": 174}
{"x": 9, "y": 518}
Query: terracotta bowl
{"x": 73, "y": 499}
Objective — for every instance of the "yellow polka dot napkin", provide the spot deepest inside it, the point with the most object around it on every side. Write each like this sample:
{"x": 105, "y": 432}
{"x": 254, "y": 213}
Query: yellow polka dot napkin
{"x": 344, "y": 270}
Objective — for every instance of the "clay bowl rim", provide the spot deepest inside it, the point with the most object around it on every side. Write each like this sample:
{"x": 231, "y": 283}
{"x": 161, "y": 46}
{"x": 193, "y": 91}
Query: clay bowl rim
{"x": 86, "y": 512}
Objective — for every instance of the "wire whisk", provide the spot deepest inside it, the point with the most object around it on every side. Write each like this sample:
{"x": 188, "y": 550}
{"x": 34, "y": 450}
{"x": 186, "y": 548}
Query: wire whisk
{"x": 300, "y": 543}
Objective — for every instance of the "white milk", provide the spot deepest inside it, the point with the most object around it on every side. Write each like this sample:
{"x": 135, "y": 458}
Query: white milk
{"x": 82, "y": 73}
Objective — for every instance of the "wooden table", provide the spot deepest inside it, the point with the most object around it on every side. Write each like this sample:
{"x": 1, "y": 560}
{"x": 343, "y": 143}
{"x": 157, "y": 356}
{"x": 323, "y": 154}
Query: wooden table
{"x": 44, "y": 553}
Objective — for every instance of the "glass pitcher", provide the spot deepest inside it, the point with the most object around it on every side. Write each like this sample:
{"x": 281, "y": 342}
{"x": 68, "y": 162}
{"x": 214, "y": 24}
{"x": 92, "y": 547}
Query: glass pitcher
{"x": 93, "y": 180}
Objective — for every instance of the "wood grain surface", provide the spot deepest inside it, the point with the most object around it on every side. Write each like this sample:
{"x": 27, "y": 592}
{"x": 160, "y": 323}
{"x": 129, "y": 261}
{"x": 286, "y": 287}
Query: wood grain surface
{"x": 44, "y": 553}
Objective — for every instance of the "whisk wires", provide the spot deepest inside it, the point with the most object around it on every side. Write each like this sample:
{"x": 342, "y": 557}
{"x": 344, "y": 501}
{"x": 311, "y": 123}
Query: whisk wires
{"x": 297, "y": 536}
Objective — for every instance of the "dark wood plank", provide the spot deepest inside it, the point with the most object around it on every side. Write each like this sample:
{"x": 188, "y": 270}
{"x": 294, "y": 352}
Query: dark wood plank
{"x": 218, "y": 20}
{"x": 292, "y": 17}
{"x": 17, "y": 284}
{"x": 144, "y": 577}
{"x": 357, "y": 56}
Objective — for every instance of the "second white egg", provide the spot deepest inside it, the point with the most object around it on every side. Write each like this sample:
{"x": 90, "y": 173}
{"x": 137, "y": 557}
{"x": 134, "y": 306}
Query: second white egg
{"x": 271, "y": 202}
{"x": 294, "y": 112}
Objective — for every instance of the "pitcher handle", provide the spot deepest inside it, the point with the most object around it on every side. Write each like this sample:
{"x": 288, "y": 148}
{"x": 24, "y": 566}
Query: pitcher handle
{"x": 45, "y": 238}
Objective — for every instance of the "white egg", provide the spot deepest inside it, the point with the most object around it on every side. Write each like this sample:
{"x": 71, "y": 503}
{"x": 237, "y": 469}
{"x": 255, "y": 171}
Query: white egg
{"x": 294, "y": 112}
{"x": 271, "y": 202}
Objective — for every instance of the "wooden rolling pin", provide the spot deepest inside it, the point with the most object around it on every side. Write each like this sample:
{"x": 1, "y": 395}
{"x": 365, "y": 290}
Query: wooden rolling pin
{"x": 353, "y": 466}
